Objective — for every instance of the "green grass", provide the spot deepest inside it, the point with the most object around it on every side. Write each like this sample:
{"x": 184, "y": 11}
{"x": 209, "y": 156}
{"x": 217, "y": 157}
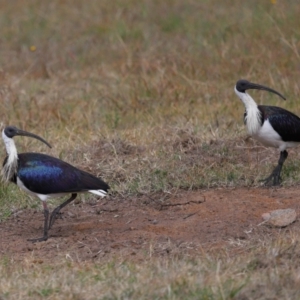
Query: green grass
{"x": 11, "y": 200}
{"x": 141, "y": 94}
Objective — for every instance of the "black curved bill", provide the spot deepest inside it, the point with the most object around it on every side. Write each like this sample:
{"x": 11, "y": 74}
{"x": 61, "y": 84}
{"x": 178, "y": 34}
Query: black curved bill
{"x": 26, "y": 133}
{"x": 243, "y": 85}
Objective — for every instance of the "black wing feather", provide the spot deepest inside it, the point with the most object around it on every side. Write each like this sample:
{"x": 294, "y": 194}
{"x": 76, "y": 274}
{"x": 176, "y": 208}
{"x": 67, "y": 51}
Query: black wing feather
{"x": 283, "y": 121}
{"x": 44, "y": 174}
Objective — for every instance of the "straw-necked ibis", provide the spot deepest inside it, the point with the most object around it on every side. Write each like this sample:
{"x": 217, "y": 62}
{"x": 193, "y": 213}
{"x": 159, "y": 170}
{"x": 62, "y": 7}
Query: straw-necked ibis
{"x": 45, "y": 176}
{"x": 271, "y": 125}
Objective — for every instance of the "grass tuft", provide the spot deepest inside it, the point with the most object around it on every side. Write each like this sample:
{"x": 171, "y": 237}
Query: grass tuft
{"x": 263, "y": 269}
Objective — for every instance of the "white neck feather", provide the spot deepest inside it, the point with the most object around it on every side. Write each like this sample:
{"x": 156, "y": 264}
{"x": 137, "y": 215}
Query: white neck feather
{"x": 253, "y": 118}
{"x": 10, "y": 168}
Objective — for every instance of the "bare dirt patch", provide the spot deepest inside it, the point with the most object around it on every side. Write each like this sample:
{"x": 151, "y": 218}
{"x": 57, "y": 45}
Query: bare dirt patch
{"x": 147, "y": 226}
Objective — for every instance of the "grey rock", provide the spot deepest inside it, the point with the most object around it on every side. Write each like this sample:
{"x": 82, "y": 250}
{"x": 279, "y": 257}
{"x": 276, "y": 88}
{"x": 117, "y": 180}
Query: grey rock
{"x": 280, "y": 217}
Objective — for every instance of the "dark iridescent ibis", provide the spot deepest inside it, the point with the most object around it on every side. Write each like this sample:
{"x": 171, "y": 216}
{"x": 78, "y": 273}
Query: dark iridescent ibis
{"x": 45, "y": 176}
{"x": 271, "y": 125}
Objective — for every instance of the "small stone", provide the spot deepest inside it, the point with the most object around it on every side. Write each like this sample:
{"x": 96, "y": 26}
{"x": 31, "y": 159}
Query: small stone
{"x": 71, "y": 214}
{"x": 266, "y": 216}
{"x": 280, "y": 217}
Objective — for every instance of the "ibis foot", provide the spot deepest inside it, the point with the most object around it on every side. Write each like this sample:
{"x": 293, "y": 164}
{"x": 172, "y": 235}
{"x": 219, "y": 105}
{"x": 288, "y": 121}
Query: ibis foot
{"x": 275, "y": 175}
{"x": 41, "y": 239}
{"x": 58, "y": 208}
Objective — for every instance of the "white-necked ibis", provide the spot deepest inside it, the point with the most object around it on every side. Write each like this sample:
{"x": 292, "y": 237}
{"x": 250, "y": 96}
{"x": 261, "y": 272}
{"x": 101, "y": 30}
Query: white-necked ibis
{"x": 271, "y": 125}
{"x": 45, "y": 176}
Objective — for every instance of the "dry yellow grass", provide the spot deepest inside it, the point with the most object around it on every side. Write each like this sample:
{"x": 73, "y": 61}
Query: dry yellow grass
{"x": 265, "y": 269}
{"x": 146, "y": 88}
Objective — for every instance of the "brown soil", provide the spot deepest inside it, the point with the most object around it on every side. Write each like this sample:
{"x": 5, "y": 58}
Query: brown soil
{"x": 142, "y": 227}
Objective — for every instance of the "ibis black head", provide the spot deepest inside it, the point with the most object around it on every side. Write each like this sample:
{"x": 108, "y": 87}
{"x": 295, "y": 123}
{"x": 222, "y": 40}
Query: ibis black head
{"x": 243, "y": 85}
{"x": 11, "y": 131}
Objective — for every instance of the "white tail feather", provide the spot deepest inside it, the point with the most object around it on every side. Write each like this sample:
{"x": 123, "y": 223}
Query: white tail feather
{"x": 98, "y": 192}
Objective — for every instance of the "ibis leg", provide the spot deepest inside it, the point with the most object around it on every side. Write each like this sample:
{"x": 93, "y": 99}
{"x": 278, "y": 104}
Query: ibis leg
{"x": 58, "y": 208}
{"x": 46, "y": 216}
{"x": 275, "y": 175}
